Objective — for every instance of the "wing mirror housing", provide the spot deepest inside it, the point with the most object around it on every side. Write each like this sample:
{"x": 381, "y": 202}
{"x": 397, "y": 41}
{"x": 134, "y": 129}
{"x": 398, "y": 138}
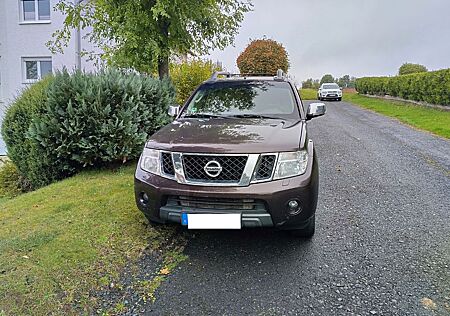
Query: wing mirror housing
{"x": 315, "y": 110}
{"x": 173, "y": 110}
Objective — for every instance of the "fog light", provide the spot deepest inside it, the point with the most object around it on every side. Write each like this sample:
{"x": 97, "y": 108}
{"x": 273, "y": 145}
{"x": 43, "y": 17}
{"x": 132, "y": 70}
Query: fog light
{"x": 143, "y": 198}
{"x": 294, "y": 207}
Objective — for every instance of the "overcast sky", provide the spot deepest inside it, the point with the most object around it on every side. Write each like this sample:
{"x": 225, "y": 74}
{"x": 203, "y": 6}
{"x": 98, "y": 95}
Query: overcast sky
{"x": 356, "y": 37}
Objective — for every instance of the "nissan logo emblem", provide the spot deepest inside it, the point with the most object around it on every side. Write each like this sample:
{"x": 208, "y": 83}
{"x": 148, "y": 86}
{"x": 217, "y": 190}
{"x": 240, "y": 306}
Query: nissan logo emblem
{"x": 213, "y": 169}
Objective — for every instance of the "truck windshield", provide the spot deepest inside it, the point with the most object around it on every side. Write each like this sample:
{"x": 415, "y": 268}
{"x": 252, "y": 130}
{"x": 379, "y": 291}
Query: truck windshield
{"x": 330, "y": 86}
{"x": 244, "y": 99}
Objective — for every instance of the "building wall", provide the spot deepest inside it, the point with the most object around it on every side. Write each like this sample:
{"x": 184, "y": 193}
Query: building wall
{"x": 20, "y": 40}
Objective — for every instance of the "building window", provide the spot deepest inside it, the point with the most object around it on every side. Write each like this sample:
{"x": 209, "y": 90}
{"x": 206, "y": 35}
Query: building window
{"x": 35, "y": 10}
{"x": 36, "y": 68}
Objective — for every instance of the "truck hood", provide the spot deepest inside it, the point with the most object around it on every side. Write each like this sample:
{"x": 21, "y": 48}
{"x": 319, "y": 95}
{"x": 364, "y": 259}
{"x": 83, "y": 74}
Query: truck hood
{"x": 228, "y": 135}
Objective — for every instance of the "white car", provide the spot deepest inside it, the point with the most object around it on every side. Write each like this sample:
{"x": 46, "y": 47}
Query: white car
{"x": 329, "y": 91}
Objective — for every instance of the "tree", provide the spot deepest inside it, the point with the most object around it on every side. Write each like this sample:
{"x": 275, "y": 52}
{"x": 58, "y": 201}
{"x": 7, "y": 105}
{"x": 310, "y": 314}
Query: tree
{"x": 343, "y": 81}
{"x": 307, "y": 84}
{"x": 263, "y": 56}
{"x": 188, "y": 74}
{"x": 327, "y": 79}
{"x": 144, "y": 34}
{"x": 316, "y": 84}
{"x": 352, "y": 82}
{"x": 408, "y": 68}
{"x": 346, "y": 81}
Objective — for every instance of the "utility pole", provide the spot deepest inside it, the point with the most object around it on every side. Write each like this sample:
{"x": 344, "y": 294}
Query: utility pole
{"x": 78, "y": 42}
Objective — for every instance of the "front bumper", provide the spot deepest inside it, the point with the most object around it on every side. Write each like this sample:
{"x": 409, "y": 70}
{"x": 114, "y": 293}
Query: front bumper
{"x": 274, "y": 195}
{"x": 331, "y": 96}
{"x": 249, "y": 219}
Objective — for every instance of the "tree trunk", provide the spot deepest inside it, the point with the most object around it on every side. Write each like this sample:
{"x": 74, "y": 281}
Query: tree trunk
{"x": 163, "y": 67}
{"x": 163, "y": 59}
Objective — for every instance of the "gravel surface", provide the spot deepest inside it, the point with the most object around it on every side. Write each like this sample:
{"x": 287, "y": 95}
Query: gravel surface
{"x": 382, "y": 243}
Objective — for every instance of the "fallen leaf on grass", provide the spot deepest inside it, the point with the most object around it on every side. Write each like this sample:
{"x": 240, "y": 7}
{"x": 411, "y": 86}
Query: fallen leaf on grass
{"x": 164, "y": 271}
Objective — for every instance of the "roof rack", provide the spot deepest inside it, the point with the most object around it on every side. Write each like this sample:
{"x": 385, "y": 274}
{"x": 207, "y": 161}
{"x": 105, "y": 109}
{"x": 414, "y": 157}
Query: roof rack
{"x": 216, "y": 74}
{"x": 280, "y": 76}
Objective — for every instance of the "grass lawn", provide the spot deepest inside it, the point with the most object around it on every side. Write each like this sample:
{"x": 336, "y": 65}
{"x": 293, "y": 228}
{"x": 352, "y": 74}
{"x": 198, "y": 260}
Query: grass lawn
{"x": 429, "y": 119}
{"x": 60, "y": 244}
{"x": 308, "y": 94}
{"x": 2, "y": 199}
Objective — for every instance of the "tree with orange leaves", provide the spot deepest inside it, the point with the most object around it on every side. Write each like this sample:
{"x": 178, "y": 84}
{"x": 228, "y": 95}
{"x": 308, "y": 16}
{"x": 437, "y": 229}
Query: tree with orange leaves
{"x": 263, "y": 56}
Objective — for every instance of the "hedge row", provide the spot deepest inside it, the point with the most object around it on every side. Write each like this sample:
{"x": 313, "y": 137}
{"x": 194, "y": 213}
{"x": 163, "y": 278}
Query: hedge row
{"x": 76, "y": 120}
{"x": 431, "y": 87}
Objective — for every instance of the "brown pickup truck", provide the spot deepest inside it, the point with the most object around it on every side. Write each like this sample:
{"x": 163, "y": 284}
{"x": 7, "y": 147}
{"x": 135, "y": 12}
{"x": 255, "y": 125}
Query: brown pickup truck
{"x": 236, "y": 155}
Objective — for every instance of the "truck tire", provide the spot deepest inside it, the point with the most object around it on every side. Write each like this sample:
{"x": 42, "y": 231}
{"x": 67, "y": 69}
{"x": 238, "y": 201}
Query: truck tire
{"x": 306, "y": 232}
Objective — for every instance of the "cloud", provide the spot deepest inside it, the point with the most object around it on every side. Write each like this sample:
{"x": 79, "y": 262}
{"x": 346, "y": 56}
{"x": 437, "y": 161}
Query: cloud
{"x": 356, "y": 37}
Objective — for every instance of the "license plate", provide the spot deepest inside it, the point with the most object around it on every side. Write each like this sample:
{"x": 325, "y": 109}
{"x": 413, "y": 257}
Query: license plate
{"x": 331, "y": 95}
{"x": 211, "y": 221}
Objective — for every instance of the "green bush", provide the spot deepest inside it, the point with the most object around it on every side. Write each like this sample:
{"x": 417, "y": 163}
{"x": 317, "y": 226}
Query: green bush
{"x": 11, "y": 182}
{"x": 188, "y": 75}
{"x": 91, "y": 120}
{"x": 431, "y": 87}
{"x": 17, "y": 121}
{"x": 408, "y": 68}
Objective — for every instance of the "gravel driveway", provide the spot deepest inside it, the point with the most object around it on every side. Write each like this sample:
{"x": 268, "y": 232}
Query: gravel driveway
{"x": 382, "y": 244}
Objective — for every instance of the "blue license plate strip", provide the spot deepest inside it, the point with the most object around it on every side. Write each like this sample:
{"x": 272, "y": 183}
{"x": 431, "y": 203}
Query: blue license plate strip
{"x": 184, "y": 219}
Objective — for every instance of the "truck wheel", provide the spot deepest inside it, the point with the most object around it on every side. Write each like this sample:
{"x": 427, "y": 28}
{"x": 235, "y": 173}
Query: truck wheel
{"x": 339, "y": 99}
{"x": 306, "y": 232}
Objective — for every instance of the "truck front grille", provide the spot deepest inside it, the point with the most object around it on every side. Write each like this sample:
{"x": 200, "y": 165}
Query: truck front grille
{"x": 167, "y": 164}
{"x": 232, "y": 167}
{"x": 217, "y": 169}
{"x": 265, "y": 167}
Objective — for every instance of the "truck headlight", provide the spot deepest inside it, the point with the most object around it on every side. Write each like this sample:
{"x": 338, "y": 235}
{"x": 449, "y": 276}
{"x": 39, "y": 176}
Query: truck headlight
{"x": 291, "y": 164}
{"x": 150, "y": 161}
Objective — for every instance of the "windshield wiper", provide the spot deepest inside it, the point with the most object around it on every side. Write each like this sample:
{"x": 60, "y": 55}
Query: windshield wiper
{"x": 256, "y": 116}
{"x": 202, "y": 115}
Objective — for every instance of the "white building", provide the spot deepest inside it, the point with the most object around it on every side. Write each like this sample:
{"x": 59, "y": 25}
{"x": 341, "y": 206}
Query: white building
{"x": 25, "y": 27}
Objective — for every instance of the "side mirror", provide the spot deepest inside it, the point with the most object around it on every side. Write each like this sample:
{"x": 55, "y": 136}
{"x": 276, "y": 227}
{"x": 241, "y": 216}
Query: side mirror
{"x": 173, "y": 110}
{"x": 315, "y": 109}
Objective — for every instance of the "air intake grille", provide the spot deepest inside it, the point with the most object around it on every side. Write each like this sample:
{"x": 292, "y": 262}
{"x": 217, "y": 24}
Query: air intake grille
{"x": 215, "y": 203}
{"x": 265, "y": 167}
{"x": 232, "y": 167}
{"x": 167, "y": 164}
